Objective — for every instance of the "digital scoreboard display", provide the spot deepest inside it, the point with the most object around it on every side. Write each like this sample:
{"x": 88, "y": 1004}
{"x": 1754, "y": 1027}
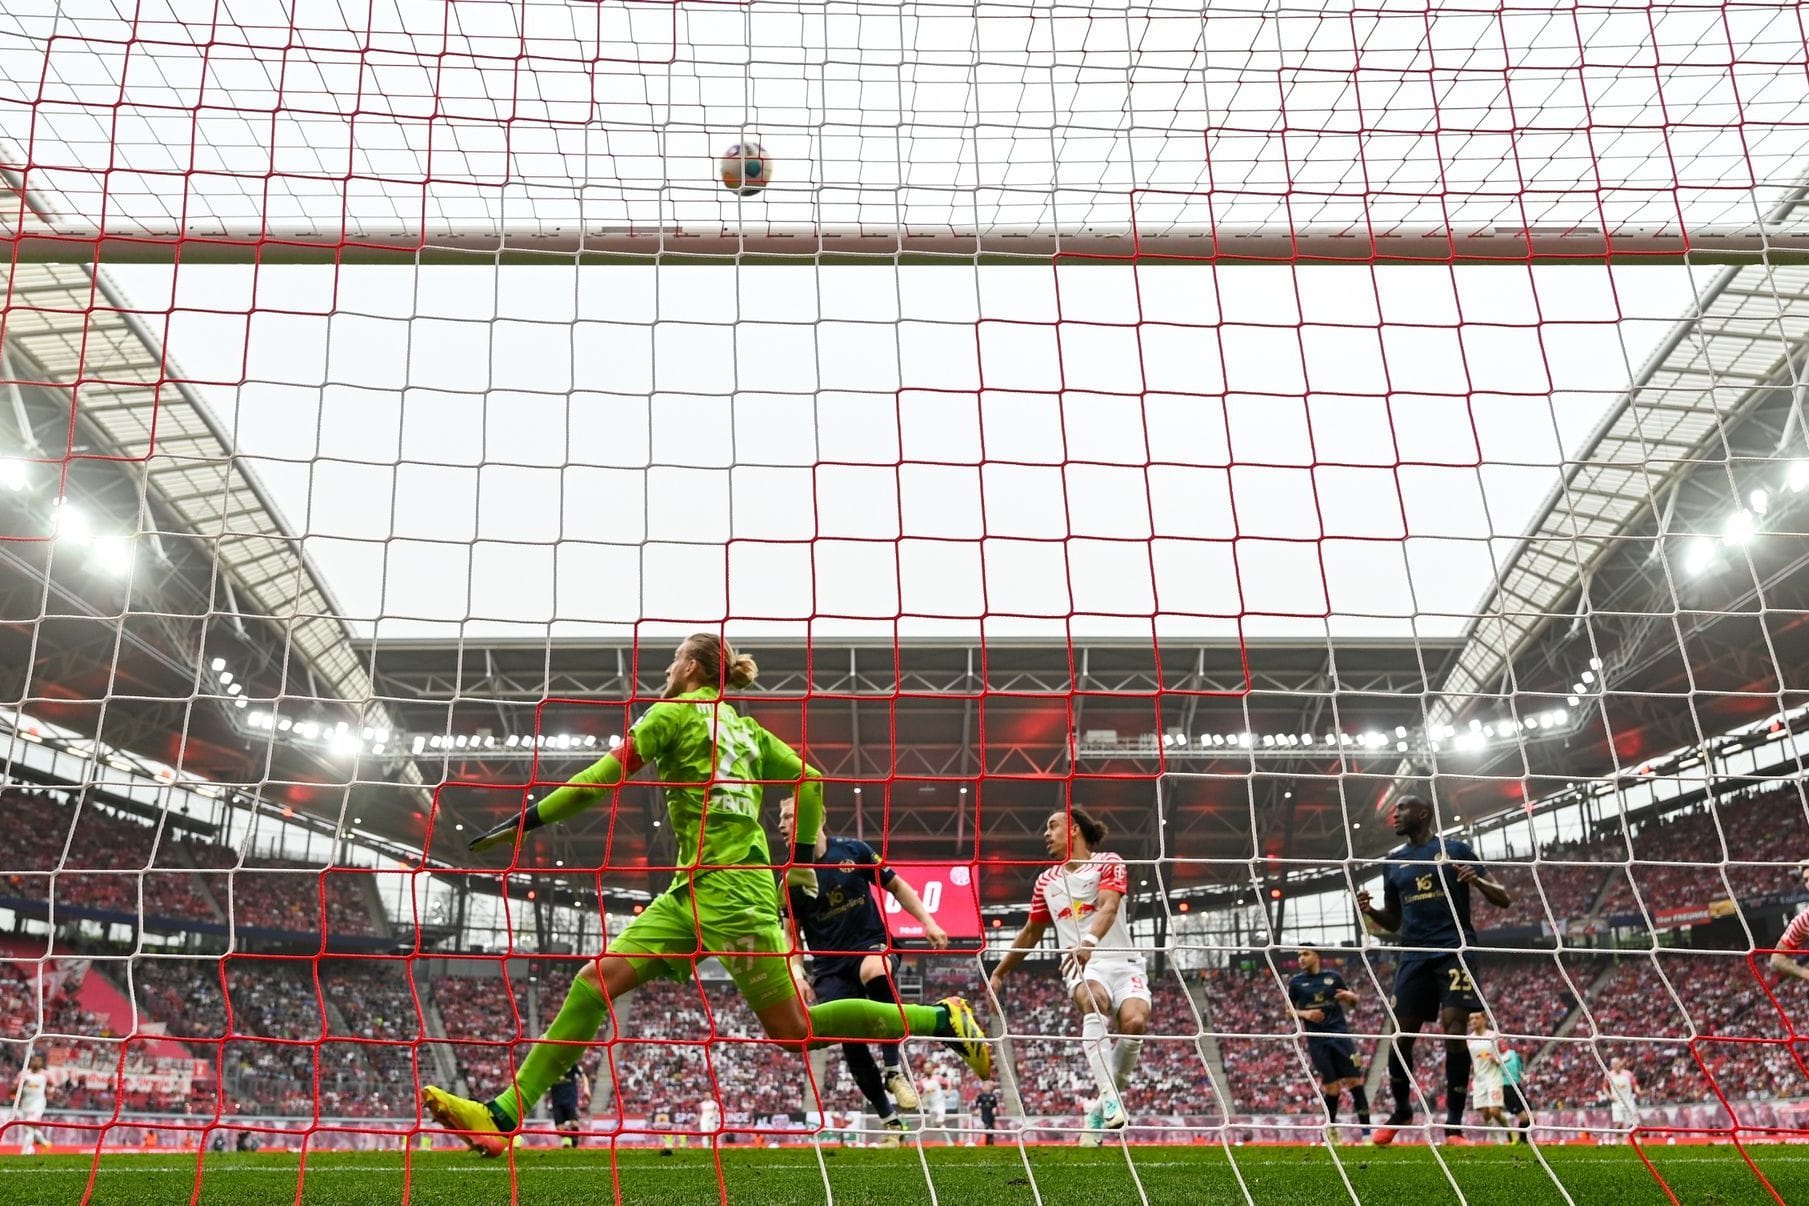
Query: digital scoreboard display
{"x": 950, "y": 893}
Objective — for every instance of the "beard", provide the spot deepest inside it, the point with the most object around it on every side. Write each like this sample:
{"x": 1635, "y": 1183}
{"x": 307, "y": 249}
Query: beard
{"x": 672, "y": 688}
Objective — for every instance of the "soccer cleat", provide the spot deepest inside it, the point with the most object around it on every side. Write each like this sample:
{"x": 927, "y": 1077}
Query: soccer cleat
{"x": 1384, "y": 1135}
{"x": 1112, "y": 1116}
{"x": 469, "y": 1120}
{"x": 902, "y": 1090}
{"x": 893, "y": 1134}
{"x": 967, "y": 1039}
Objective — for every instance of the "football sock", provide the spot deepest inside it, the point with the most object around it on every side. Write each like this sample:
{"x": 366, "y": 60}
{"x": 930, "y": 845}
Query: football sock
{"x": 842, "y": 1021}
{"x": 579, "y": 1019}
{"x": 1359, "y": 1100}
{"x": 1124, "y": 1058}
{"x": 1457, "y": 1082}
{"x": 1331, "y": 1107}
{"x": 1097, "y": 1048}
{"x": 1400, "y": 1080}
{"x": 866, "y": 1075}
{"x": 880, "y": 989}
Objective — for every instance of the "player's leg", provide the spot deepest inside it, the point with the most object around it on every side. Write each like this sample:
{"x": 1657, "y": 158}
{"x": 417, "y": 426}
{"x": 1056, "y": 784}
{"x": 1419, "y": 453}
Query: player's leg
{"x": 878, "y": 985}
{"x": 635, "y": 956}
{"x": 1414, "y": 999}
{"x": 1359, "y": 1096}
{"x": 1330, "y": 1087}
{"x": 1094, "y": 1001}
{"x": 1458, "y": 999}
{"x": 841, "y": 986}
{"x": 1133, "y": 1024}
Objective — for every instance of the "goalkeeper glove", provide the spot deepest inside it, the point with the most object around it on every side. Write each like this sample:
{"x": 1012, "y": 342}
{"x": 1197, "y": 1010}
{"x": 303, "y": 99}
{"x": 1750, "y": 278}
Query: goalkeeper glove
{"x": 506, "y": 831}
{"x": 803, "y": 878}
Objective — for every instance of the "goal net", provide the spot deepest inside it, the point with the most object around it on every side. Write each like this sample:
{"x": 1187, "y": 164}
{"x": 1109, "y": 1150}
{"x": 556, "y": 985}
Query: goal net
{"x": 1162, "y": 460}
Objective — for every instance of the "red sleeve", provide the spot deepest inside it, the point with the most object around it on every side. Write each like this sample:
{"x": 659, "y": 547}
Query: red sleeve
{"x": 1796, "y": 934}
{"x": 1115, "y": 876}
{"x": 629, "y": 757}
{"x": 1039, "y": 908}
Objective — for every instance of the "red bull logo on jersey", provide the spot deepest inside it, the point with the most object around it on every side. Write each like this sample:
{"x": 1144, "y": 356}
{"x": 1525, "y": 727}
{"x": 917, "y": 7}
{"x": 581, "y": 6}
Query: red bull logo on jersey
{"x": 1078, "y": 909}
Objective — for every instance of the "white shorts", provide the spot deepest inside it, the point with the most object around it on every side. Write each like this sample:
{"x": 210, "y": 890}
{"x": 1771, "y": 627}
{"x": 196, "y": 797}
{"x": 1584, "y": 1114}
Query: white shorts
{"x": 30, "y": 1111}
{"x": 1624, "y": 1115}
{"x": 1125, "y": 979}
{"x": 1485, "y": 1097}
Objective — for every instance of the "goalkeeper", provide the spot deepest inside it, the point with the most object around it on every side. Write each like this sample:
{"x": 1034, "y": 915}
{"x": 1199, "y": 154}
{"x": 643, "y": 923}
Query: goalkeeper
{"x": 713, "y": 762}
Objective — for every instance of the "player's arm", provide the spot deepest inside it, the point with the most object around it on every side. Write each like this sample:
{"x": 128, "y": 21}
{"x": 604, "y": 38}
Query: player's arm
{"x": 779, "y": 763}
{"x": 1492, "y": 892}
{"x": 1303, "y": 1012}
{"x": 584, "y": 789}
{"x": 795, "y": 900}
{"x": 1388, "y": 917}
{"x": 1344, "y": 994}
{"x": 910, "y": 902}
{"x": 1783, "y": 960}
{"x": 1028, "y": 939}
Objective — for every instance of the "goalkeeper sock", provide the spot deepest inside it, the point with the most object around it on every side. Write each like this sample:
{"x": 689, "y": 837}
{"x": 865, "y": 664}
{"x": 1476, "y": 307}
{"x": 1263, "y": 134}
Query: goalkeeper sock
{"x": 1331, "y": 1106}
{"x": 582, "y": 1015}
{"x": 855, "y": 1020}
{"x": 1359, "y": 1100}
{"x": 1097, "y": 1048}
{"x": 880, "y": 989}
{"x": 1124, "y": 1058}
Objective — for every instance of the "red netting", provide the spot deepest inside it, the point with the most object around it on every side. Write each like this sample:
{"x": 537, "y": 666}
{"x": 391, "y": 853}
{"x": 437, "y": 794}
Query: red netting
{"x": 1216, "y": 424}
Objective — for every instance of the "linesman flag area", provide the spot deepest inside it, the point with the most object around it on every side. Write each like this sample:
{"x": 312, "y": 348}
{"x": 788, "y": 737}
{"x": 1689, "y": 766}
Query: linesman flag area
{"x": 935, "y": 603}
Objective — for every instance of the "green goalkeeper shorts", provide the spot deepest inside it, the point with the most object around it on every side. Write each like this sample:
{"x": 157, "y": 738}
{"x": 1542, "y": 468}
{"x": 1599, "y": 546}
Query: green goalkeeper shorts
{"x": 668, "y": 938}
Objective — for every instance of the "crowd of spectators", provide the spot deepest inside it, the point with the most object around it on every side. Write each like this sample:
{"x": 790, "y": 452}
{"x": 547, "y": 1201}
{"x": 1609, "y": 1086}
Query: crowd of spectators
{"x": 102, "y": 859}
{"x": 82, "y": 854}
{"x": 290, "y": 896}
{"x": 487, "y": 1018}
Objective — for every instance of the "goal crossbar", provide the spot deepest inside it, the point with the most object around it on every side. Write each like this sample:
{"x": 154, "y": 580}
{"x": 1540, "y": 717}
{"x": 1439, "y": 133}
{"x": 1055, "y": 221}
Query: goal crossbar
{"x": 915, "y": 245}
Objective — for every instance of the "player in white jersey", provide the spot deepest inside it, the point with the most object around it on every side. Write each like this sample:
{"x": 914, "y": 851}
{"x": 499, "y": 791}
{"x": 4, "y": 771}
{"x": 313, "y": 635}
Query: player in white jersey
{"x": 29, "y": 1099}
{"x": 1488, "y": 1084}
{"x": 932, "y": 1099}
{"x": 1083, "y": 898}
{"x": 1795, "y": 941}
{"x": 709, "y": 1119}
{"x": 1623, "y": 1095}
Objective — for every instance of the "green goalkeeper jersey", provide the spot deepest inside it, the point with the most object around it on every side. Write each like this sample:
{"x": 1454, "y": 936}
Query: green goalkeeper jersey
{"x": 714, "y": 764}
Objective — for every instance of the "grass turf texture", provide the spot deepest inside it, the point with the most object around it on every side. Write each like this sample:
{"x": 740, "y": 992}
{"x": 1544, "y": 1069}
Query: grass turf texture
{"x": 996, "y": 1176}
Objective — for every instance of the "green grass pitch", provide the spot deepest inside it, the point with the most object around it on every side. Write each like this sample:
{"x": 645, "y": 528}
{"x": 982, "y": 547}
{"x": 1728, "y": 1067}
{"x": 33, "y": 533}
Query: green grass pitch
{"x": 1001, "y": 1176}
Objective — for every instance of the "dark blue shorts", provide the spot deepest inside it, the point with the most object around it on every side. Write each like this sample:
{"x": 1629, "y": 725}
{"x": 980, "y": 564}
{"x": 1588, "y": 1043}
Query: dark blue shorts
{"x": 1334, "y": 1059}
{"x": 839, "y": 978}
{"x": 564, "y": 1102}
{"x": 1426, "y": 987}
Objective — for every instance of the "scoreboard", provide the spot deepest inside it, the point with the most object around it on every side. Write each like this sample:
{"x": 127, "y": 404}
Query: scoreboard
{"x": 950, "y": 893}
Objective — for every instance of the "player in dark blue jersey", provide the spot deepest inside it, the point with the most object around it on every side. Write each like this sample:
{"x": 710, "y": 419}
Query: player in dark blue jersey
{"x": 851, "y": 951}
{"x": 1318, "y": 998}
{"x": 566, "y": 1097}
{"x": 1426, "y": 886}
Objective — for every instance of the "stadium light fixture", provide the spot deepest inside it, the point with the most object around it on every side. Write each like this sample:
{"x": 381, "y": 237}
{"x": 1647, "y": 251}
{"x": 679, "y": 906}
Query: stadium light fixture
{"x": 1759, "y": 500}
{"x": 219, "y": 664}
{"x": 71, "y": 524}
{"x": 1698, "y": 555}
{"x": 234, "y": 689}
{"x": 1796, "y": 479}
{"x": 13, "y": 474}
{"x": 113, "y": 554}
{"x": 1739, "y": 528}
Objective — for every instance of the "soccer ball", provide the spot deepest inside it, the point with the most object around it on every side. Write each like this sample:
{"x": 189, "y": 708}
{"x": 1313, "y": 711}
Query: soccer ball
{"x": 745, "y": 168}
